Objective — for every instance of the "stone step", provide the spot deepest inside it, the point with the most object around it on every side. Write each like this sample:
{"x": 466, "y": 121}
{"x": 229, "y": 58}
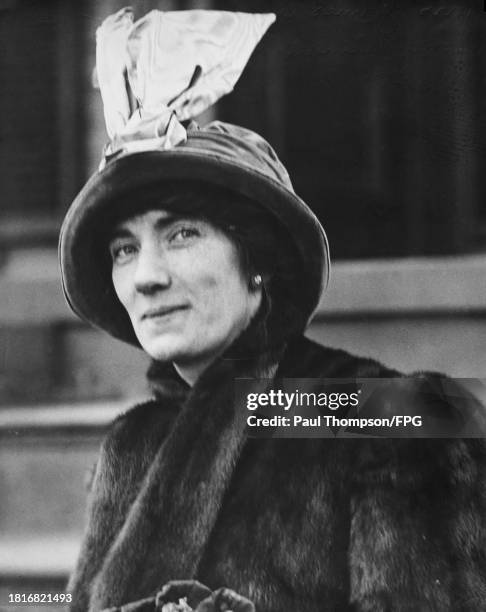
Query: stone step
{"x": 35, "y": 557}
{"x": 47, "y": 454}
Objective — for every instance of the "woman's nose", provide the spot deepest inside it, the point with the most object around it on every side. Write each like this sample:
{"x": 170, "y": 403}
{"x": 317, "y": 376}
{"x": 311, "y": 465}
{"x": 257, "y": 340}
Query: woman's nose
{"x": 152, "y": 273}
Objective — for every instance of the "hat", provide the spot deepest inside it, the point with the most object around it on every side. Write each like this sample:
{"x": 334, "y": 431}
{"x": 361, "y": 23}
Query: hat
{"x": 221, "y": 154}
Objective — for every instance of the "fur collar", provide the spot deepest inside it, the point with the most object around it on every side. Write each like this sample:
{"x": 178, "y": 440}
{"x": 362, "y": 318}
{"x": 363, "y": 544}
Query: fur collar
{"x": 168, "y": 524}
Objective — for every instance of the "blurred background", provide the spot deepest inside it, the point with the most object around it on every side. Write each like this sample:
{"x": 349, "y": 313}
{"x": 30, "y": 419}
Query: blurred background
{"x": 375, "y": 108}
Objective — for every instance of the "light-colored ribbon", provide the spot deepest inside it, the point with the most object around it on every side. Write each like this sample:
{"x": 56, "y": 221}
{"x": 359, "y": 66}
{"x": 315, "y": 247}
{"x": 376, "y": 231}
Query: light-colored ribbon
{"x": 170, "y": 66}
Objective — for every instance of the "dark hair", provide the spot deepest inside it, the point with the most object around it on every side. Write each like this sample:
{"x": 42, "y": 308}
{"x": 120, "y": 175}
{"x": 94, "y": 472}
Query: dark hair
{"x": 264, "y": 245}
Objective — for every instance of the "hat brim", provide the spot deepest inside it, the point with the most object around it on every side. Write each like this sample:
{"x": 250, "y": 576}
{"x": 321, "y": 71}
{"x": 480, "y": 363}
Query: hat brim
{"x": 86, "y": 288}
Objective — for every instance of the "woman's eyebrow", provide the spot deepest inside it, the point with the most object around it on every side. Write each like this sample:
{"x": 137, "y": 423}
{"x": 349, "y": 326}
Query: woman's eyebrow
{"x": 165, "y": 222}
{"x": 118, "y": 233}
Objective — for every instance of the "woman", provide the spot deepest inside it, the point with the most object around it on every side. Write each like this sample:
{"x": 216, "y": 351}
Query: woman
{"x": 194, "y": 246}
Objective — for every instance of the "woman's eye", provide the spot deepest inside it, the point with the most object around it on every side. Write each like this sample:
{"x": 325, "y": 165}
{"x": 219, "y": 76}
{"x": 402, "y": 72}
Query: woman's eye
{"x": 184, "y": 233}
{"x": 122, "y": 253}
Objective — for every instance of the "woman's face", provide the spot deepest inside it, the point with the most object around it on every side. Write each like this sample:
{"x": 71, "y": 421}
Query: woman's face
{"x": 181, "y": 282}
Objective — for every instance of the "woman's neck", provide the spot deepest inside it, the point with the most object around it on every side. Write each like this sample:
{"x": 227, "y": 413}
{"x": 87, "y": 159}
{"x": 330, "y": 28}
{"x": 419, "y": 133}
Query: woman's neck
{"x": 190, "y": 372}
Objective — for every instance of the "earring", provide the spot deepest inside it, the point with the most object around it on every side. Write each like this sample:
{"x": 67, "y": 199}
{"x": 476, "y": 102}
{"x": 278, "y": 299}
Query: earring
{"x": 256, "y": 281}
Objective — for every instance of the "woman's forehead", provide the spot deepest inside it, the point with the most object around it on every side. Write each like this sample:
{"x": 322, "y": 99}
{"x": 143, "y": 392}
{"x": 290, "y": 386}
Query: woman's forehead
{"x": 156, "y": 218}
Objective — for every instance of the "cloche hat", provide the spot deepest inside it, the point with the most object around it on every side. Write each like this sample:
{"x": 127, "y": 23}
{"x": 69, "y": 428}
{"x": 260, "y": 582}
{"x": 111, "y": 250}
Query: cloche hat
{"x": 151, "y": 146}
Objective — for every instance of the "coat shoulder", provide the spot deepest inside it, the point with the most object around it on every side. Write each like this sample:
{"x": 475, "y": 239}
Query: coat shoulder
{"x": 438, "y": 399}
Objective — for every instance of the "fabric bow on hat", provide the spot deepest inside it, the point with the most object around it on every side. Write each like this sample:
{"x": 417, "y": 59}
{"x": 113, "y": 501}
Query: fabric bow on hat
{"x": 166, "y": 68}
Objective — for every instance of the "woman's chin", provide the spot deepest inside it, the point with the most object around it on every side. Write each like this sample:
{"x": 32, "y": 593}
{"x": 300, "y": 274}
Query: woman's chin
{"x": 169, "y": 347}
{"x": 163, "y": 349}
{"x": 182, "y": 352}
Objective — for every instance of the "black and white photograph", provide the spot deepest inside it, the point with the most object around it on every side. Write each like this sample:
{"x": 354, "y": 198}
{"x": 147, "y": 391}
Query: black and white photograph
{"x": 243, "y": 306}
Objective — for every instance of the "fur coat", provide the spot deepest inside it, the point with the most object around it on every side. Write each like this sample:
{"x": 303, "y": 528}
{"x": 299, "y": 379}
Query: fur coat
{"x": 306, "y": 525}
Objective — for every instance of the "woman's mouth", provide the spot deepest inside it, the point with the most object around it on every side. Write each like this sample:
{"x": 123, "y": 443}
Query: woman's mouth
{"x": 161, "y": 312}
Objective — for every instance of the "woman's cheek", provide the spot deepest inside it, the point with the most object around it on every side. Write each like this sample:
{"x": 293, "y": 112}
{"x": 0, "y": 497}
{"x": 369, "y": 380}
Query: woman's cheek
{"x": 121, "y": 285}
{"x": 215, "y": 304}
